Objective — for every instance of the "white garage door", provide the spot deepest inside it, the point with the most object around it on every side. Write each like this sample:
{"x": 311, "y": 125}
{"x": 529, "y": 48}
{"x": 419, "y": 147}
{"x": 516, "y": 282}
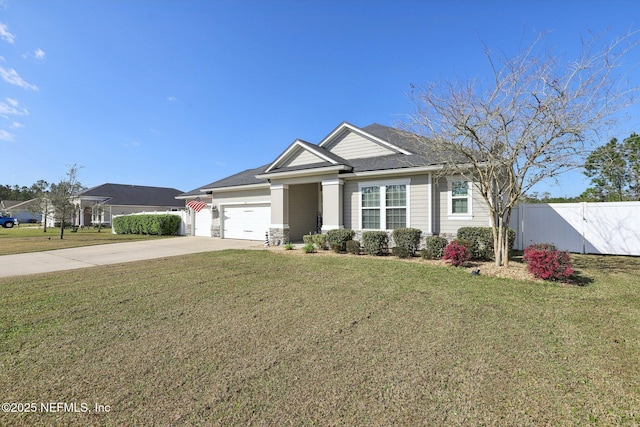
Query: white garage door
{"x": 248, "y": 222}
{"x": 203, "y": 223}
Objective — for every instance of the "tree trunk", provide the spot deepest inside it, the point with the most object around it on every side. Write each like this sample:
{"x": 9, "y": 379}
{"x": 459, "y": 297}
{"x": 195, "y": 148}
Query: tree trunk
{"x": 62, "y": 225}
{"x": 496, "y": 238}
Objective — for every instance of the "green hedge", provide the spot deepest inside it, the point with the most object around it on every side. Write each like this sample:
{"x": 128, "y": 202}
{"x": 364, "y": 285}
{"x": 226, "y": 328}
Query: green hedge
{"x": 159, "y": 225}
{"x": 375, "y": 242}
{"x": 480, "y": 241}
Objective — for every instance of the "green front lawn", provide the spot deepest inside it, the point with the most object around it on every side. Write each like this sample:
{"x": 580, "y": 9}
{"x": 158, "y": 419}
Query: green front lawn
{"x": 267, "y": 338}
{"x": 24, "y": 238}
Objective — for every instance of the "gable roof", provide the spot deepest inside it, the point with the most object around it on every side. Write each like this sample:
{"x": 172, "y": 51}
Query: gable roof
{"x": 322, "y": 156}
{"x": 345, "y": 128}
{"x": 399, "y": 150}
{"x": 133, "y": 195}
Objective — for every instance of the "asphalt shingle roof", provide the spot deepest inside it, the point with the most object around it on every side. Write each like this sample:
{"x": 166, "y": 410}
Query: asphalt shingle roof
{"x": 136, "y": 195}
{"x": 422, "y": 155}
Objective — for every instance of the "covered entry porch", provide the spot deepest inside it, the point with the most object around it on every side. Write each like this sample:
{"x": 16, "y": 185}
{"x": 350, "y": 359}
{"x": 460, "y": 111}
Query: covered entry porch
{"x": 302, "y": 208}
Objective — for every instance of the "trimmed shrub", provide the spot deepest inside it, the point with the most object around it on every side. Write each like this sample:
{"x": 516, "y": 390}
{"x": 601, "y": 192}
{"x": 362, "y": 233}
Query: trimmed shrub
{"x": 353, "y": 247}
{"x": 546, "y": 262}
{"x": 408, "y": 240}
{"x": 375, "y": 242}
{"x": 434, "y": 247}
{"x": 337, "y": 239}
{"x": 456, "y": 253}
{"x": 309, "y": 248}
{"x": 320, "y": 240}
{"x": 481, "y": 241}
{"x": 159, "y": 225}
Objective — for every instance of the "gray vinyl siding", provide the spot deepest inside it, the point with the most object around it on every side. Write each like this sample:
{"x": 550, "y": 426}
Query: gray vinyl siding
{"x": 449, "y": 226}
{"x": 351, "y": 207}
{"x": 303, "y": 157}
{"x": 303, "y": 208}
{"x": 353, "y": 146}
{"x": 420, "y": 203}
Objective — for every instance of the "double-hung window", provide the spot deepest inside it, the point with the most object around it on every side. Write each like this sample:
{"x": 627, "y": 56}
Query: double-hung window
{"x": 383, "y": 205}
{"x": 460, "y": 199}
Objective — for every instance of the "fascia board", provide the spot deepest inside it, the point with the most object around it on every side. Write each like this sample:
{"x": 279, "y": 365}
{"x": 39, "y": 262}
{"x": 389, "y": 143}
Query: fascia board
{"x": 303, "y": 172}
{"x": 236, "y": 188}
{"x": 387, "y": 172}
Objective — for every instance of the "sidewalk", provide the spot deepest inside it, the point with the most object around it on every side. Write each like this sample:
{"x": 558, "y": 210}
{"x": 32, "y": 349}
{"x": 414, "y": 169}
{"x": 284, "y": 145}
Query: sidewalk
{"x": 114, "y": 253}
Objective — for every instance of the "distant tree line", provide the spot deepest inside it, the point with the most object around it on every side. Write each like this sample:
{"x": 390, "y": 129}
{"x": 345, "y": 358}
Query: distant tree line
{"x": 54, "y": 199}
{"x": 23, "y": 193}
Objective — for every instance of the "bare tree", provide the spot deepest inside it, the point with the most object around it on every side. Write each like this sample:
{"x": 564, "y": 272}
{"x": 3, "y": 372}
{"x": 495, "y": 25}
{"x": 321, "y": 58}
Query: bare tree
{"x": 530, "y": 121}
{"x": 62, "y": 195}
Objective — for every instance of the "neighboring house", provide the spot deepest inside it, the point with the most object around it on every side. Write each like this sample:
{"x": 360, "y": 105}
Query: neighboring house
{"x": 99, "y": 204}
{"x": 371, "y": 178}
{"x": 24, "y": 212}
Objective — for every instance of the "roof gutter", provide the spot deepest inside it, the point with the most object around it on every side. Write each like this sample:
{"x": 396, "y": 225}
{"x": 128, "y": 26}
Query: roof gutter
{"x": 236, "y": 188}
{"x": 304, "y": 172}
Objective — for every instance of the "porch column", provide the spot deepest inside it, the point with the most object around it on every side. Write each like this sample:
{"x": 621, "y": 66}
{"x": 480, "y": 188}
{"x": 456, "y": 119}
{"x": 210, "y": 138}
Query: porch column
{"x": 332, "y": 204}
{"x": 279, "y": 229}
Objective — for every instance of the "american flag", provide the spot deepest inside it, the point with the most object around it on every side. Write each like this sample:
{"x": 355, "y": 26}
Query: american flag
{"x": 196, "y": 204}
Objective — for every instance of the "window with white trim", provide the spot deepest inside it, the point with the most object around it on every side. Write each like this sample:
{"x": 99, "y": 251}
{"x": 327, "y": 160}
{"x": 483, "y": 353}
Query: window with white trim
{"x": 460, "y": 199}
{"x": 383, "y": 206}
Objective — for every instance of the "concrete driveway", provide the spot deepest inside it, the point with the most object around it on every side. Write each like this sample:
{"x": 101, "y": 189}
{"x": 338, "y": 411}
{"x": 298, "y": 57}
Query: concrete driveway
{"x": 114, "y": 253}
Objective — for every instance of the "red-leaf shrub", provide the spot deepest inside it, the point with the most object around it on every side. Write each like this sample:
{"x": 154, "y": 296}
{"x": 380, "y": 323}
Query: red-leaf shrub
{"x": 456, "y": 253}
{"x": 545, "y": 262}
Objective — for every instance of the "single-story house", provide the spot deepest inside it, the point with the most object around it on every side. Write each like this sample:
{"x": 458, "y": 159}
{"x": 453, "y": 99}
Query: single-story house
{"x": 370, "y": 178}
{"x": 24, "y": 211}
{"x": 99, "y": 204}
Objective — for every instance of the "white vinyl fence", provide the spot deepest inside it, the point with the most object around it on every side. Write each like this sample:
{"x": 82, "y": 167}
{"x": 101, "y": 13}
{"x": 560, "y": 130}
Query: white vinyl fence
{"x": 592, "y": 228}
{"x": 184, "y": 215}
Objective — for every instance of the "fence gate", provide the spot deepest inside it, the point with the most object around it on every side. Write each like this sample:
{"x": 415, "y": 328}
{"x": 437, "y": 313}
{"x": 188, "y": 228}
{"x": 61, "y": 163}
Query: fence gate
{"x": 595, "y": 228}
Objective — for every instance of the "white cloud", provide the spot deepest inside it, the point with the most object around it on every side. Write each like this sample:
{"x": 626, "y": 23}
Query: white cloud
{"x": 5, "y": 34}
{"x": 16, "y": 125}
{"x": 172, "y": 98}
{"x": 37, "y": 54}
{"x": 10, "y": 108}
{"x": 12, "y": 77}
{"x": 5, "y": 136}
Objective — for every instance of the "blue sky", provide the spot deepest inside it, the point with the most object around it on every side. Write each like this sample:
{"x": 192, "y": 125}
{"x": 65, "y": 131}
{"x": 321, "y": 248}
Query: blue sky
{"x": 180, "y": 93}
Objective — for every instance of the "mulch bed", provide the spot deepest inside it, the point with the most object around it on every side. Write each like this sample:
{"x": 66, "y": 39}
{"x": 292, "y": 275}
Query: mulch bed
{"x": 517, "y": 270}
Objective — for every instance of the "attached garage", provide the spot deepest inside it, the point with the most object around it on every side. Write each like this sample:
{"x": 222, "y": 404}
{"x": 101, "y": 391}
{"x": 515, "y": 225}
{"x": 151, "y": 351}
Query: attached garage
{"x": 247, "y": 222}
{"x": 203, "y": 222}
